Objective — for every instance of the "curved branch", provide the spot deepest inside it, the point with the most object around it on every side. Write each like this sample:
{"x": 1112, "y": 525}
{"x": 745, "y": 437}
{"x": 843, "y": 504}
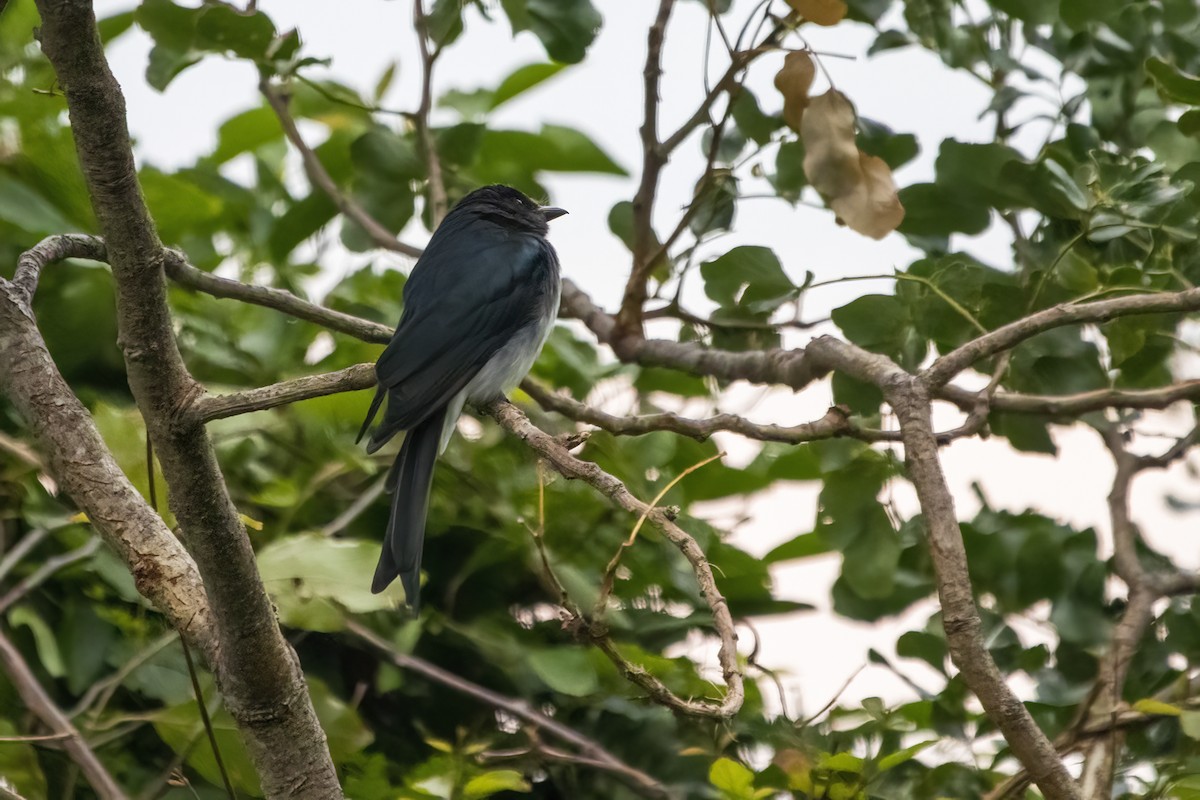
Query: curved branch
{"x": 513, "y": 420}
{"x": 1012, "y": 334}
{"x": 77, "y": 456}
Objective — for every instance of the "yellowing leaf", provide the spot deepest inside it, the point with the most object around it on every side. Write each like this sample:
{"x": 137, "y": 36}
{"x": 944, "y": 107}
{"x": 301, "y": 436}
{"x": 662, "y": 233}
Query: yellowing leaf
{"x": 859, "y": 188}
{"x": 793, "y": 82}
{"x": 1149, "y": 705}
{"x": 873, "y": 208}
{"x": 820, "y": 12}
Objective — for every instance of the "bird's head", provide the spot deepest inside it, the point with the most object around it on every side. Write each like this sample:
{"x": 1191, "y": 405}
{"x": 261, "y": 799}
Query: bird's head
{"x": 508, "y": 207}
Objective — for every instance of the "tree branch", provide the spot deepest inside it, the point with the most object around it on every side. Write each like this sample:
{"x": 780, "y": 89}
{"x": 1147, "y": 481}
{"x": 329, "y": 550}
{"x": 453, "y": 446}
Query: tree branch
{"x": 185, "y": 274}
{"x": 257, "y": 670}
{"x": 77, "y": 456}
{"x": 836, "y": 421}
{"x": 599, "y": 757}
{"x": 210, "y": 407}
{"x": 960, "y": 616}
{"x": 1076, "y": 404}
{"x": 513, "y": 420}
{"x": 37, "y": 701}
{"x": 1012, "y": 334}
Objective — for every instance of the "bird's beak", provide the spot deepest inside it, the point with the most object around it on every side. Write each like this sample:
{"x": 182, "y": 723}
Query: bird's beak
{"x": 549, "y": 212}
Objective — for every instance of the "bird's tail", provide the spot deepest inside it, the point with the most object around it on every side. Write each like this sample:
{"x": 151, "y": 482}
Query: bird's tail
{"x": 409, "y": 481}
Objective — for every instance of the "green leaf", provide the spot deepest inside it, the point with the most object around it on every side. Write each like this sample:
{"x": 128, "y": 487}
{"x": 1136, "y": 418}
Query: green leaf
{"x": 171, "y": 26}
{"x": 444, "y": 21}
{"x": 1049, "y": 187}
{"x": 1148, "y": 705}
{"x": 19, "y": 764}
{"x": 805, "y": 545}
{"x": 928, "y": 647}
{"x": 246, "y": 132}
{"x": 43, "y": 639}
{"x": 521, "y": 80}
{"x": 789, "y": 177}
{"x": 842, "y": 762}
{"x": 28, "y": 210}
{"x": 566, "y": 670}
{"x": 223, "y": 29}
{"x": 494, "y": 782}
{"x": 748, "y": 276}
{"x": 306, "y": 577}
{"x": 1035, "y": 12}
{"x": 876, "y": 139}
{"x": 931, "y": 210}
{"x": 182, "y": 730}
{"x": 554, "y": 148}
{"x": 750, "y": 118}
{"x": 732, "y": 778}
{"x": 1189, "y": 723}
{"x": 344, "y": 728}
{"x": 876, "y": 322}
{"x": 870, "y": 561}
{"x": 565, "y": 27}
{"x": 900, "y": 756}
{"x": 1173, "y": 83}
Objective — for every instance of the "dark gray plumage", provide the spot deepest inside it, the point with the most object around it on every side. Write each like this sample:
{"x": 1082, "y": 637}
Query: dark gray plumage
{"x": 478, "y": 307}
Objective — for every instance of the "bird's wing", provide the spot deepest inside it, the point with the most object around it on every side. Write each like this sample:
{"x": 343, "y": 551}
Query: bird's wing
{"x": 466, "y": 298}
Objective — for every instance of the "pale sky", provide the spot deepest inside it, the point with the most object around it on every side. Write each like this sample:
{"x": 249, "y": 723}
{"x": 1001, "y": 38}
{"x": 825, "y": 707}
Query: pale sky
{"x": 909, "y": 90}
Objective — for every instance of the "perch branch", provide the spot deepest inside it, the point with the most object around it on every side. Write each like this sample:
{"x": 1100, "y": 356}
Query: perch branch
{"x": 513, "y": 420}
{"x": 322, "y": 180}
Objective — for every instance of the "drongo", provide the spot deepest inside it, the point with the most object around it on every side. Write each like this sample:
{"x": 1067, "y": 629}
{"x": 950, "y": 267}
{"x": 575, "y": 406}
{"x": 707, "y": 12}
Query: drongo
{"x": 478, "y": 307}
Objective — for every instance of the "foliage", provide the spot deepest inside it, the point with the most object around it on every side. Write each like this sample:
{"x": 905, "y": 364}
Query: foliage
{"x": 1108, "y": 206}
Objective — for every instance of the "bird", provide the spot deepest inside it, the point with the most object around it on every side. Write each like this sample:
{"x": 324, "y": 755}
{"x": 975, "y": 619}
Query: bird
{"x": 478, "y": 307}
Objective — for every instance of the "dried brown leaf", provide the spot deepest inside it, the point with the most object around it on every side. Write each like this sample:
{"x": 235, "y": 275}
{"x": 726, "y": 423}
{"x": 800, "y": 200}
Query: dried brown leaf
{"x": 830, "y": 153}
{"x": 793, "y": 82}
{"x": 858, "y": 187}
{"x": 820, "y": 12}
{"x": 873, "y": 208}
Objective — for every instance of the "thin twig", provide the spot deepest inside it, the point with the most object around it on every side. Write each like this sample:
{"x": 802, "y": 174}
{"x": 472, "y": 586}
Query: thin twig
{"x": 324, "y": 181}
{"x": 22, "y": 548}
{"x": 437, "y": 186}
{"x": 610, "y": 572}
{"x": 46, "y": 570}
{"x": 601, "y": 757}
{"x": 38, "y": 701}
